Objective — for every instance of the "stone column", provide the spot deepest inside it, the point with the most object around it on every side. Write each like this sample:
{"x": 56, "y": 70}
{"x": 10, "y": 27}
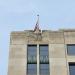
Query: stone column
{"x": 38, "y": 59}
{"x": 57, "y": 59}
{"x": 17, "y": 60}
{"x": 25, "y": 49}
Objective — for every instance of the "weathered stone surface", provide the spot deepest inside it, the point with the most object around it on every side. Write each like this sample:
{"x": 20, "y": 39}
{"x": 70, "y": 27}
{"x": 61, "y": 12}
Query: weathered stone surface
{"x": 56, "y": 40}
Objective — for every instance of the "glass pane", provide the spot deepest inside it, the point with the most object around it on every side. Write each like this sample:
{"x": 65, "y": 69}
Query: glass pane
{"x": 44, "y": 54}
{"x": 72, "y": 68}
{"x": 32, "y": 59}
{"x": 32, "y": 53}
{"x": 32, "y": 50}
{"x": 44, "y": 69}
{"x": 71, "y": 49}
{"x": 43, "y": 50}
{"x": 32, "y": 69}
{"x": 44, "y": 66}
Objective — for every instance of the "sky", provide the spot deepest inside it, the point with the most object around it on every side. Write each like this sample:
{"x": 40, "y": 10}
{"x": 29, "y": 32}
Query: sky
{"x": 19, "y": 15}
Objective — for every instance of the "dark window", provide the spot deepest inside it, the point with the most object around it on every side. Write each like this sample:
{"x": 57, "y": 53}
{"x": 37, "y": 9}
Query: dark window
{"x": 32, "y": 60}
{"x": 31, "y": 69}
{"x": 71, "y": 49}
{"x": 44, "y": 69}
{"x": 43, "y": 50}
{"x": 44, "y": 54}
{"x": 32, "y": 53}
{"x": 32, "y": 50}
{"x": 44, "y": 59}
{"x": 72, "y": 68}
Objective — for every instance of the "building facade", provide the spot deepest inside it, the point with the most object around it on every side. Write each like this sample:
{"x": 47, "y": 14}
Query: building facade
{"x": 46, "y": 52}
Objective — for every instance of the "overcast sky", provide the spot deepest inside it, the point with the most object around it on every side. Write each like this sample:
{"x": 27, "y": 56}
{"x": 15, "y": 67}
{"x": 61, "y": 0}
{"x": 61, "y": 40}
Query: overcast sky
{"x": 19, "y": 15}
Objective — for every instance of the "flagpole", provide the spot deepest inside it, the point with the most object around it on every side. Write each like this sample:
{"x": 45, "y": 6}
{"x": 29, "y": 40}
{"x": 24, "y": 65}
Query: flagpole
{"x": 38, "y": 20}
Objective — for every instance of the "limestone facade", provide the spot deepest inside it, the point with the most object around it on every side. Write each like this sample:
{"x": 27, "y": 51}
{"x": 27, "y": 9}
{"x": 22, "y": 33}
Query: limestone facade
{"x": 57, "y": 42}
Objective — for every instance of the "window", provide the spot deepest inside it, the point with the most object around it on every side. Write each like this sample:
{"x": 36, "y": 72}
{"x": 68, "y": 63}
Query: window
{"x": 32, "y": 60}
{"x": 44, "y": 69}
{"x": 72, "y": 68}
{"x": 71, "y": 49}
{"x": 43, "y": 49}
{"x": 44, "y": 60}
{"x": 31, "y": 69}
{"x": 32, "y": 53}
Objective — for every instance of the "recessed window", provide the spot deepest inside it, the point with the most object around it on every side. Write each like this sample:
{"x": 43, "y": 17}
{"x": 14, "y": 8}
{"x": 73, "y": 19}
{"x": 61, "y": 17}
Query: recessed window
{"x": 72, "y": 68}
{"x": 44, "y": 53}
{"x": 32, "y": 53}
{"x": 31, "y": 60}
{"x": 31, "y": 69}
{"x": 44, "y": 69}
{"x": 44, "y": 59}
{"x": 71, "y": 49}
{"x": 43, "y": 50}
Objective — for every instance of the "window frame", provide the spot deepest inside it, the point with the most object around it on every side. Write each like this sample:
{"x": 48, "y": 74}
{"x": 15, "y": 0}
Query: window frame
{"x": 68, "y": 49}
{"x": 70, "y": 63}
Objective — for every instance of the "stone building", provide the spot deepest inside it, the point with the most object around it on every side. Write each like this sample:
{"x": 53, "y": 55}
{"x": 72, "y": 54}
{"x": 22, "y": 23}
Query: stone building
{"x": 46, "y": 52}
